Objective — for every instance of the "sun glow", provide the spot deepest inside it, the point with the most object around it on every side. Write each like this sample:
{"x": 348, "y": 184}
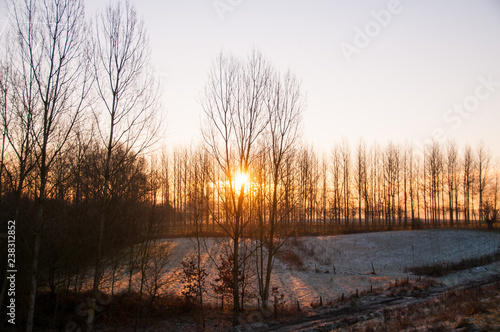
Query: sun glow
{"x": 240, "y": 179}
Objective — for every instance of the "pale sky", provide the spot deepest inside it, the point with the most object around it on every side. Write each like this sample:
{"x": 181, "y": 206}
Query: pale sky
{"x": 408, "y": 74}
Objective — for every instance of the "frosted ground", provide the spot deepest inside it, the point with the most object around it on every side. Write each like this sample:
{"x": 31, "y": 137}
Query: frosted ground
{"x": 391, "y": 253}
{"x": 333, "y": 265}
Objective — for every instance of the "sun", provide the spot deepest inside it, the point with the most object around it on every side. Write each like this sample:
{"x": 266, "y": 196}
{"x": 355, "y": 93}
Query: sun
{"x": 240, "y": 179}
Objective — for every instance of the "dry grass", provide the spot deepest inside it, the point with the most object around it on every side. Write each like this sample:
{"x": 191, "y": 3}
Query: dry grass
{"x": 439, "y": 270}
{"x": 406, "y": 287}
{"x": 475, "y": 309}
{"x": 291, "y": 258}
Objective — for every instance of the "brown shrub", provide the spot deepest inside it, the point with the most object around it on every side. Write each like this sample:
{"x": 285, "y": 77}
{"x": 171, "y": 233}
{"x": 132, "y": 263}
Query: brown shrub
{"x": 290, "y": 257}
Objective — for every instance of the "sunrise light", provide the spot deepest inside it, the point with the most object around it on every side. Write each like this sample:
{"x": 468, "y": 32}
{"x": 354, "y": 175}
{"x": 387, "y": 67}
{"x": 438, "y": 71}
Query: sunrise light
{"x": 240, "y": 179}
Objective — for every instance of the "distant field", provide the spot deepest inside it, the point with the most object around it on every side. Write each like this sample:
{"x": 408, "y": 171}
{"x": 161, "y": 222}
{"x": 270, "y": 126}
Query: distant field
{"x": 328, "y": 266}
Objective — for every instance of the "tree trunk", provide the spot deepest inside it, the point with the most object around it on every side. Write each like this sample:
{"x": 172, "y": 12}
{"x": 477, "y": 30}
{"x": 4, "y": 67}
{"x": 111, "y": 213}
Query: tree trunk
{"x": 33, "y": 282}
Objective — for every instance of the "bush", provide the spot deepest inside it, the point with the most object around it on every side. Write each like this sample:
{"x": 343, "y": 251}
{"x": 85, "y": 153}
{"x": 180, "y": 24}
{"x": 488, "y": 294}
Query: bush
{"x": 439, "y": 270}
{"x": 490, "y": 214}
{"x": 291, "y": 258}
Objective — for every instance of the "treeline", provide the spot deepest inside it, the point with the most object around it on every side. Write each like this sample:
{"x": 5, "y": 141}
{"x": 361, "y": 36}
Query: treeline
{"x": 79, "y": 107}
{"x": 357, "y": 187}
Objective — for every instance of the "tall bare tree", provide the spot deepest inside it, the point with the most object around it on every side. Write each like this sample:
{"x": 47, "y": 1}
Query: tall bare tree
{"x": 483, "y": 165}
{"x": 284, "y": 104}
{"x": 127, "y": 93}
{"x": 50, "y": 48}
{"x": 434, "y": 165}
{"x": 4, "y": 118}
{"x": 412, "y": 173}
{"x": 336, "y": 201}
{"x": 495, "y": 190}
{"x": 452, "y": 180}
{"x": 20, "y": 110}
{"x": 324, "y": 191}
{"x": 468, "y": 181}
{"x": 375, "y": 176}
{"x": 235, "y": 118}
{"x": 345, "y": 158}
{"x": 197, "y": 209}
{"x": 4, "y": 128}
{"x": 391, "y": 178}
{"x": 361, "y": 179}
{"x": 406, "y": 160}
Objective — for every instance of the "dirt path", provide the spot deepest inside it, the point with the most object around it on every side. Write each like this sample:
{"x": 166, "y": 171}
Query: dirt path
{"x": 345, "y": 317}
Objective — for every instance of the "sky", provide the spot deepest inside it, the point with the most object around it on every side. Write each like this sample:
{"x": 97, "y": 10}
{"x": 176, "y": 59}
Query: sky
{"x": 403, "y": 71}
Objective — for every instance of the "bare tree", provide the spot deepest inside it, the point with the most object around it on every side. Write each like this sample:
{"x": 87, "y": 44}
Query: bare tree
{"x": 152, "y": 258}
{"x": 434, "y": 164}
{"x": 235, "y": 119}
{"x": 324, "y": 192}
{"x": 492, "y": 203}
{"x": 50, "y": 48}
{"x": 305, "y": 165}
{"x": 468, "y": 182}
{"x": 337, "y": 189}
{"x": 496, "y": 188}
{"x": 452, "y": 180}
{"x": 4, "y": 128}
{"x": 375, "y": 177}
{"x": 483, "y": 164}
{"x": 197, "y": 207}
{"x": 127, "y": 94}
{"x": 406, "y": 160}
{"x": 284, "y": 105}
{"x": 391, "y": 178}
{"x": 156, "y": 267}
{"x": 345, "y": 154}
{"x": 20, "y": 110}
{"x": 361, "y": 179}
{"x": 412, "y": 184}
{"x": 5, "y": 118}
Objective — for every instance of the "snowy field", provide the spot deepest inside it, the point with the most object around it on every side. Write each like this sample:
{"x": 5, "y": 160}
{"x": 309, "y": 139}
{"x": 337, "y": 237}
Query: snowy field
{"x": 391, "y": 253}
{"x": 333, "y": 265}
